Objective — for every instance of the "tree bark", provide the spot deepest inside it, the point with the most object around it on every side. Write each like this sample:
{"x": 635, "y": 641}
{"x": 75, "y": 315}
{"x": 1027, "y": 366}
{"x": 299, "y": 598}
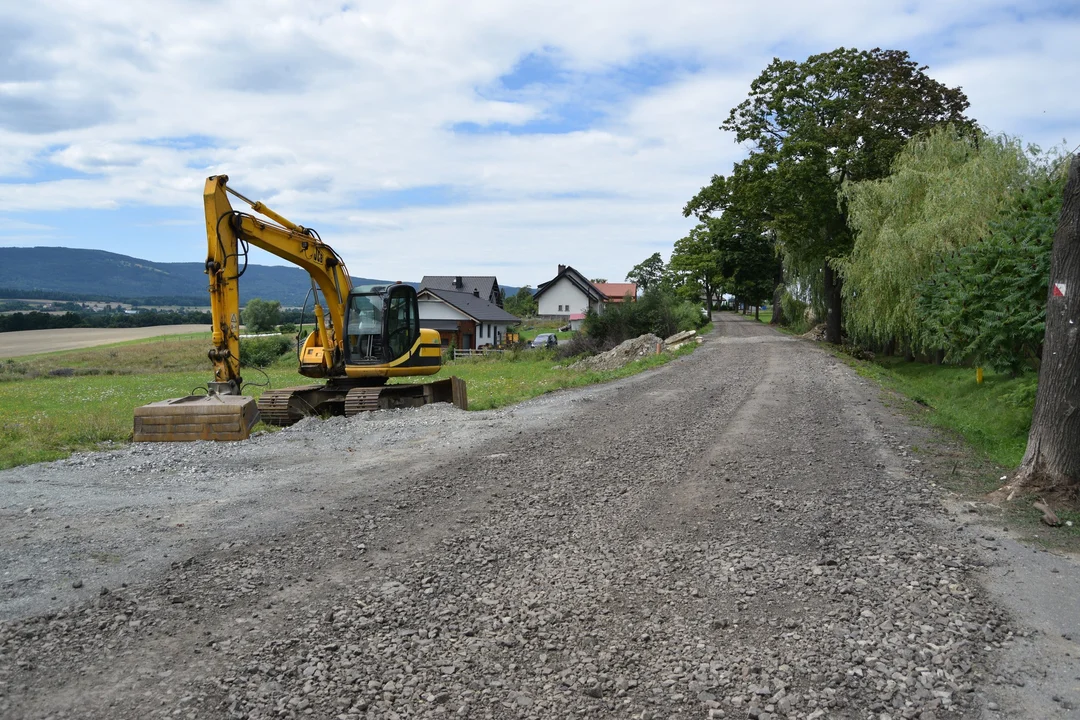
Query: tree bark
{"x": 778, "y": 295}
{"x": 833, "y": 296}
{"x": 1052, "y": 459}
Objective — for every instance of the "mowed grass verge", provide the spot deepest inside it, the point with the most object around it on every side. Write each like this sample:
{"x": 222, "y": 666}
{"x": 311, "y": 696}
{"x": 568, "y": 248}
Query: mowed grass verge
{"x": 994, "y": 417}
{"x": 53, "y": 405}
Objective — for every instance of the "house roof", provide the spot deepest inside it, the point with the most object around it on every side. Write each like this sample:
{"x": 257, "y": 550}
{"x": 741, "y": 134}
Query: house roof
{"x": 478, "y": 308}
{"x": 575, "y": 278}
{"x": 488, "y": 285}
{"x": 617, "y": 291}
{"x": 577, "y": 316}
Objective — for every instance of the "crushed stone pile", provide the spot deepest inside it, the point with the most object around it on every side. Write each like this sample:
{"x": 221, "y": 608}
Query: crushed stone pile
{"x": 620, "y": 355}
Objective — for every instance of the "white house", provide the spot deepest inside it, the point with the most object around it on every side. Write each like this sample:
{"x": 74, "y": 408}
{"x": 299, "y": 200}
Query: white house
{"x": 571, "y": 293}
{"x": 464, "y": 319}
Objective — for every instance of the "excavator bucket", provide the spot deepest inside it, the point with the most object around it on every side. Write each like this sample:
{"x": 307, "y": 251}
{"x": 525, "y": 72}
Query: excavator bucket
{"x": 196, "y": 417}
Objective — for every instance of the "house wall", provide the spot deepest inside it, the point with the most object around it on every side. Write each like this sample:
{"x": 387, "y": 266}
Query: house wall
{"x": 490, "y": 334}
{"x": 438, "y": 310}
{"x": 566, "y": 294}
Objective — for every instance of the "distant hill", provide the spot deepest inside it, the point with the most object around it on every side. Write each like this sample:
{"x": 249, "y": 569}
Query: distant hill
{"x": 100, "y": 275}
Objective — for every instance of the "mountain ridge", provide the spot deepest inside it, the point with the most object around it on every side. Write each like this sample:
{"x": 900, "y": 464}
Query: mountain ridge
{"x": 109, "y": 276}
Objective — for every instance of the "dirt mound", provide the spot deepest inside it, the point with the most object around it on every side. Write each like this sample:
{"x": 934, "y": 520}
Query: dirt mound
{"x": 620, "y": 355}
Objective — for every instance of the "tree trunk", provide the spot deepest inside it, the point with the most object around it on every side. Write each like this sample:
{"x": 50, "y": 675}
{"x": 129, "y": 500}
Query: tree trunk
{"x": 778, "y": 295}
{"x": 833, "y": 290}
{"x": 1052, "y": 459}
{"x": 757, "y": 315}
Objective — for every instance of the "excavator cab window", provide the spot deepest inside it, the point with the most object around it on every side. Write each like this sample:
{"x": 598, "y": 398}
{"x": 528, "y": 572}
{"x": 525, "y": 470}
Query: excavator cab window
{"x": 365, "y": 341}
{"x": 402, "y": 320}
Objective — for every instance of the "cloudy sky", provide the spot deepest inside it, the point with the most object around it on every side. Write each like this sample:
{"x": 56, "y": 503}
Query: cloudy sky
{"x": 466, "y": 137}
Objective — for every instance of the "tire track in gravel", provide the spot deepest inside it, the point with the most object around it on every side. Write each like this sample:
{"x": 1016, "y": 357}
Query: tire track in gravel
{"x": 690, "y": 542}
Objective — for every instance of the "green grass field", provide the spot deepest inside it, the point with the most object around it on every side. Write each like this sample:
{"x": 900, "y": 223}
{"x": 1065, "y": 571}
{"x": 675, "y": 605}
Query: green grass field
{"x": 994, "y": 417}
{"x": 53, "y": 405}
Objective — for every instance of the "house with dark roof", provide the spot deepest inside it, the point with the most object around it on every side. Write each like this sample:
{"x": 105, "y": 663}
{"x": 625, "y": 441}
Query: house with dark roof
{"x": 486, "y": 285}
{"x": 570, "y": 293}
{"x": 466, "y": 320}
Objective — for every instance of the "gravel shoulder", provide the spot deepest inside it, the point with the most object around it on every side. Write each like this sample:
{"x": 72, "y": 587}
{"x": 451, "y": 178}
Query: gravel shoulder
{"x": 743, "y": 532}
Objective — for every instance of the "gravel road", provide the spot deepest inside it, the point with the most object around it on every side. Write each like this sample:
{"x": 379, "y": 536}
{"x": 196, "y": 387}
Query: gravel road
{"x": 746, "y": 532}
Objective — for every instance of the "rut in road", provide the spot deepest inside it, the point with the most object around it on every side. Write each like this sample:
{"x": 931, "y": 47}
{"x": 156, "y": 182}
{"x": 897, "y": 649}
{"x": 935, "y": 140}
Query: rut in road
{"x": 737, "y": 534}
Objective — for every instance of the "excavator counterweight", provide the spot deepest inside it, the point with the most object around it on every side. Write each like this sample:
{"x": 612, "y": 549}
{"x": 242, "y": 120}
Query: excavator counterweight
{"x": 362, "y": 337}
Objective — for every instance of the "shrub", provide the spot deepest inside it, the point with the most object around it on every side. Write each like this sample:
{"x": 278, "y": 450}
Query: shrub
{"x": 287, "y": 328}
{"x": 656, "y": 312}
{"x": 581, "y": 344}
{"x": 986, "y": 304}
{"x": 263, "y": 351}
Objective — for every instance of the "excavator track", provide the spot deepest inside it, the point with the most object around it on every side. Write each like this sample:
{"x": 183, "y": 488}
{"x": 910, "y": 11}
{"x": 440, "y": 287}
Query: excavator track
{"x": 362, "y": 399}
{"x": 289, "y": 405}
{"x": 286, "y": 406}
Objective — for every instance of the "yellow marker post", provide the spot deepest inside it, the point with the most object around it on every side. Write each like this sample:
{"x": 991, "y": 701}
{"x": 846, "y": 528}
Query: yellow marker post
{"x": 978, "y": 375}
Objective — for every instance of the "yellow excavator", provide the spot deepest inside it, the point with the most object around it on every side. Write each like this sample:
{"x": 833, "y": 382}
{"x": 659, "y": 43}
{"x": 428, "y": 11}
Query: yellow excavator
{"x": 372, "y": 334}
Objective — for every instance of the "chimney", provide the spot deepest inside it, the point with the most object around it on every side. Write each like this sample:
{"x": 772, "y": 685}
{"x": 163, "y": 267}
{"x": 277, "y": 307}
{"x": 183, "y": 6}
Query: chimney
{"x": 475, "y": 292}
{"x": 457, "y": 282}
{"x": 562, "y": 269}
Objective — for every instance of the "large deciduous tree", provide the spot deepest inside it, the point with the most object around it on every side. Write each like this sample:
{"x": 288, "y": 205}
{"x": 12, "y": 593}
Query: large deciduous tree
{"x": 261, "y": 315}
{"x": 648, "y": 272}
{"x": 836, "y": 117}
{"x": 735, "y": 219}
{"x": 696, "y": 258}
{"x": 1052, "y": 459}
{"x": 522, "y": 303}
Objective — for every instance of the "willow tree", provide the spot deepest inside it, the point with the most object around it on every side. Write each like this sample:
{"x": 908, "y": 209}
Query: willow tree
{"x": 944, "y": 191}
{"x": 836, "y": 117}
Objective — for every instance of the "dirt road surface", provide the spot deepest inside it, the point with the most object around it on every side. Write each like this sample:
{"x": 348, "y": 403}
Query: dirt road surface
{"x": 33, "y": 342}
{"x": 746, "y": 532}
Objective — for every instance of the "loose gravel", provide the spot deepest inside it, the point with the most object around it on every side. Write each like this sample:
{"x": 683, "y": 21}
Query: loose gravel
{"x": 743, "y": 533}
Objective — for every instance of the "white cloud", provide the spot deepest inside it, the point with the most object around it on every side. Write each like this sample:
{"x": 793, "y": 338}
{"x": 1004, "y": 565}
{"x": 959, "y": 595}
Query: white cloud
{"x": 313, "y": 110}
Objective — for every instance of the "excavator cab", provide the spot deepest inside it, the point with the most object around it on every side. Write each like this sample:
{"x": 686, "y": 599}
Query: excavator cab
{"x": 383, "y": 324}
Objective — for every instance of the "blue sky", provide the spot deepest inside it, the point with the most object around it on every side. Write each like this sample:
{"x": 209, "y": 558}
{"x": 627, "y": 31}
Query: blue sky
{"x": 448, "y": 138}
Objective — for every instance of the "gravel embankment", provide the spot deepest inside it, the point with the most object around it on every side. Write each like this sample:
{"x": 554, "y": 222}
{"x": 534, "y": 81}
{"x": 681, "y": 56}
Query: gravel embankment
{"x": 743, "y": 533}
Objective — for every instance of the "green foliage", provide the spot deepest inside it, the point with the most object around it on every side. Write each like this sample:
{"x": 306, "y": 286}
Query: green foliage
{"x": 261, "y": 315}
{"x": 794, "y": 312}
{"x": 287, "y": 328}
{"x": 648, "y": 272}
{"x": 695, "y": 262}
{"x": 522, "y": 304}
{"x": 944, "y": 191}
{"x": 657, "y": 312}
{"x": 261, "y": 352}
{"x": 987, "y": 301}
{"x": 836, "y": 117}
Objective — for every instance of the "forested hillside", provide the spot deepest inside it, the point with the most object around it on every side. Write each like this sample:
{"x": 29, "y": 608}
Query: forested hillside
{"x": 101, "y": 275}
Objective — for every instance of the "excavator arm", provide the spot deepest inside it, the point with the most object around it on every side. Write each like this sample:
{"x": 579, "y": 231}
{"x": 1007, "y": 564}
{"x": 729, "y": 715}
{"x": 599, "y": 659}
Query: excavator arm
{"x": 227, "y": 233}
